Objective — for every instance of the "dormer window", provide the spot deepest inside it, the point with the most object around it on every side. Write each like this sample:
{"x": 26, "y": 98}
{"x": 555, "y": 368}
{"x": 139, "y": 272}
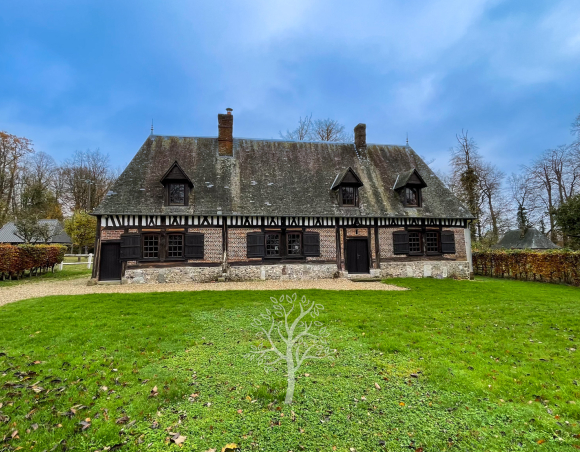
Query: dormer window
{"x": 348, "y": 195}
{"x": 412, "y": 196}
{"x": 176, "y": 194}
{"x": 347, "y": 184}
{"x": 409, "y": 186}
{"x": 177, "y": 186}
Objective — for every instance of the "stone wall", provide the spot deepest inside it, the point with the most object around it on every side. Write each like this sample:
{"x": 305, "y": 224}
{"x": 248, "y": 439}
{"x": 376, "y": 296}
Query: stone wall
{"x": 424, "y": 269}
{"x": 233, "y": 273}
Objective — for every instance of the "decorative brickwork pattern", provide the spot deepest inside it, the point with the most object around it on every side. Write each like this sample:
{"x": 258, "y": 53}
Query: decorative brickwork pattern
{"x": 386, "y": 242}
{"x": 237, "y": 244}
{"x": 460, "y": 253}
{"x": 327, "y": 245}
{"x": 111, "y": 234}
{"x": 356, "y": 233}
{"x": 212, "y": 244}
{"x": 133, "y": 231}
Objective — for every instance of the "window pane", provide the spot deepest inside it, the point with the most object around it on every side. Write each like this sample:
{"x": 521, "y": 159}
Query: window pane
{"x": 294, "y": 244}
{"x": 348, "y": 196}
{"x": 175, "y": 246}
{"x": 432, "y": 242}
{"x": 411, "y": 197}
{"x": 414, "y": 242}
{"x": 272, "y": 244}
{"x": 177, "y": 194}
{"x": 151, "y": 246}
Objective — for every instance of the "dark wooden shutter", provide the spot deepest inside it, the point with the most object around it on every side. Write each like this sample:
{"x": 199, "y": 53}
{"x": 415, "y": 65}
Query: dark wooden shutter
{"x": 130, "y": 247}
{"x": 447, "y": 242}
{"x": 400, "y": 242}
{"x": 256, "y": 247}
{"x": 311, "y": 244}
{"x": 193, "y": 246}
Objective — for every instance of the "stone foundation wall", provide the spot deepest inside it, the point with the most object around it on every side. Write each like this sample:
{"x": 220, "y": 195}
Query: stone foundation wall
{"x": 236, "y": 273}
{"x": 424, "y": 269}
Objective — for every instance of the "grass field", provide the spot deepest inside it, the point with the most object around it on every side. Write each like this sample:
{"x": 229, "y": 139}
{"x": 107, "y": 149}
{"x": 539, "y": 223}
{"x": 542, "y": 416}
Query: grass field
{"x": 68, "y": 272}
{"x": 486, "y": 365}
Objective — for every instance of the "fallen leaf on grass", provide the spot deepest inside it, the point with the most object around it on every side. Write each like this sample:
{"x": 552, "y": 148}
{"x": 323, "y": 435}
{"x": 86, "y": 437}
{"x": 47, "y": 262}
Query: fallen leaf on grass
{"x": 178, "y": 439}
{"x": 122, "y": 420}
{"x": 14, "y": 434}
{"x": 402, "y": 403}
{"x": 541, "y": 441}
{"x": 377, "y": 386}
{"x": 34, "y": 427}
{"x": 154, "y": 392}
{"x": 155, "y": 425}
{"x": 84, "y": 425}
{"x": 232, "y": 447}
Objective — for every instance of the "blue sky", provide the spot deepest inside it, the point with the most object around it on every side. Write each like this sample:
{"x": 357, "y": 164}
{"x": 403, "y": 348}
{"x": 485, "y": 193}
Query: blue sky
{"x": 79, "y": 75}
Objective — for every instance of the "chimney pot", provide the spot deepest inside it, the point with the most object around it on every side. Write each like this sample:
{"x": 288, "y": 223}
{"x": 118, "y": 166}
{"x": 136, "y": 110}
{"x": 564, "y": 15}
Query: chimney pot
{"x": 360, "y": 136}
{"x": 225, "y": 133}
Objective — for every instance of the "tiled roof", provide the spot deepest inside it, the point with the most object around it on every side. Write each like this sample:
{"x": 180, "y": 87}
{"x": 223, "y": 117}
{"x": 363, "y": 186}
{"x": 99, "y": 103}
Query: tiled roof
{"x": 7, "y": 233}
{"x": 533, "y": 239}
{"x": 274, "y": 177}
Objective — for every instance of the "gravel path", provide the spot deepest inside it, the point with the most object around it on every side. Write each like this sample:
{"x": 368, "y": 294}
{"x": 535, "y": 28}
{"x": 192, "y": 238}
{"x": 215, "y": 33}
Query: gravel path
{"x": 79, "y": 287}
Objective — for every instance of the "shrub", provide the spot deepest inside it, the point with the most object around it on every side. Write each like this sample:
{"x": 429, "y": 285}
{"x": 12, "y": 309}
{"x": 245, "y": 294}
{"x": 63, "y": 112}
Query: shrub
{"x": 17, "y": 259}
{"x": 550, "y": 265}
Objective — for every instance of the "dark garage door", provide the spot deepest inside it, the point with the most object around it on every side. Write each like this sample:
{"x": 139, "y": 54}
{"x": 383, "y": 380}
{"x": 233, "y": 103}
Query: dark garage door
{"x": 110, "y": 268}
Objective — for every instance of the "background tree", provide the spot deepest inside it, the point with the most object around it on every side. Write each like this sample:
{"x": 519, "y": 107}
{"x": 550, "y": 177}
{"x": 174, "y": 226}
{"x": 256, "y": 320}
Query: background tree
{"x": 30, "y": 230}
{"x": 81, "y": 228}
{"x": 567, "y": 217}
{"x": 13, "y": 150}
{"x": 464, "y": 163}
{"x": 318, "y": 130}
{"x": 300, "y": 133}
{"x": 84, "y": 180}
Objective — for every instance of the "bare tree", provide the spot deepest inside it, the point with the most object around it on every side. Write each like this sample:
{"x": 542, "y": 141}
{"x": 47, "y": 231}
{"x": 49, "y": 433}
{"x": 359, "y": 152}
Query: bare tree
{"x": 296, "y": 336}
{"x": 13, "y": 150}
{"x": 492, "y": 203}
{"x": 85, "y": 179}
{"x": 464, "y": 162}
{"x": 300, "y": 133}
{"x": 330, "y": 130}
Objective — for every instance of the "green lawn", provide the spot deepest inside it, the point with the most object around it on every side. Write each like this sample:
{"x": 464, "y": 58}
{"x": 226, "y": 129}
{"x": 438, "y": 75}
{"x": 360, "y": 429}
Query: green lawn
{"x": 495, "y": 362}
{"x": 68, "y": 272}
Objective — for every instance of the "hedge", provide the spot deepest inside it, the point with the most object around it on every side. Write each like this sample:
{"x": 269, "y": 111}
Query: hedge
{"x": 557, "y": 266}
{"x": 15, "y": 260}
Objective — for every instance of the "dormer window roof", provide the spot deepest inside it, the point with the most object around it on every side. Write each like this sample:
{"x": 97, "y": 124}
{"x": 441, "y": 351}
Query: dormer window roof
{"x": 409, "y": 185}
{"x": 176, "y": 174}
{"x": 177, "y": 186}
{"x": 347, "y": 183}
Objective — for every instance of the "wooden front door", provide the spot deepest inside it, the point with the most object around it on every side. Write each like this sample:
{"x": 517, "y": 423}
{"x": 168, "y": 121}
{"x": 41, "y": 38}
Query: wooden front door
{"x": 110, "y": 267}
{"x": 357, "y": 255}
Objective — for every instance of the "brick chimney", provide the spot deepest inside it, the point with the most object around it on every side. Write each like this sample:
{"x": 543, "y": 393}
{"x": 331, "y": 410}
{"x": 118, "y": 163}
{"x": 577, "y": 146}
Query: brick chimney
{"x": 360, "y": 136}
{"x": 226, "y": 133}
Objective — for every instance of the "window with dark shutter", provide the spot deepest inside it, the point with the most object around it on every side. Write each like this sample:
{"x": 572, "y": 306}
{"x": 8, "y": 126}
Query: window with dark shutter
{"x": 311, "y": 244}
{"x": 130, "y": 247}
{"x": 447, "y": 242}
{"x": 400, "y": 242}
{"x": 255, "y": 243}
{"x": 193, "y": 248}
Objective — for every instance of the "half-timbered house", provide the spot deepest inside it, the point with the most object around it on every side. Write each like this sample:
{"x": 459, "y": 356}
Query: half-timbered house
{"x": 224, "y": 208}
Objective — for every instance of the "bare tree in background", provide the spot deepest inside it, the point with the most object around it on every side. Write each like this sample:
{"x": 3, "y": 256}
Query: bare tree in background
{"x": 13, "y": 151}
{"x": 493, "y": 205}
{"x": 300, "y": 133}
{"x": 318, "y": 130}
{"x": 330, "y": 130}
{"x": 85, "y": 179}
{"x": 464, "y": 162}
{"x": 36, "y": 187}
